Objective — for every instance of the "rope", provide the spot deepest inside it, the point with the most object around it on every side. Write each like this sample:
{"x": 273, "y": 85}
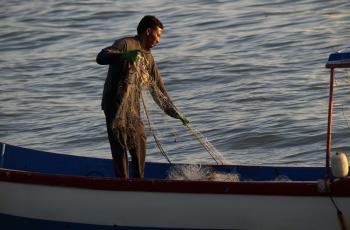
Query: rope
{"x": 341, "y": 219}
{"x": 159, "y": 145}
{"x": 200, "y": 138}
{"x": 195, "y": 133}
{"x": 340, "y": 216}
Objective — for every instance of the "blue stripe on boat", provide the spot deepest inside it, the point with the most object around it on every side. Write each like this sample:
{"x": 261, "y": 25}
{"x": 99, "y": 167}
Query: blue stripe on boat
{"x": 24, "y": 159}
{"x": 11, "y": 222}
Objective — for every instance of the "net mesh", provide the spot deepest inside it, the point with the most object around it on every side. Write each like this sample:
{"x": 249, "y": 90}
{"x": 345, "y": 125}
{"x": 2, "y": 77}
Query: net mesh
{"x": 200, "y": 173}
{"x": 139, "y": 84}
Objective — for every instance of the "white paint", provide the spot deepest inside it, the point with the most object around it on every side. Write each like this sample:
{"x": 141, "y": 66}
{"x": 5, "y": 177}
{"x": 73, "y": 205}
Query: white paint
{"x": 176, "y": 210}
{"x": 339, "y": 165}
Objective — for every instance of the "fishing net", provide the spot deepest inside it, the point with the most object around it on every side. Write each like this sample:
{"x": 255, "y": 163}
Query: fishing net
{"x": 139, "y": 84}
{"x": 128, "y": 112}
{"x": 200, "y": 173}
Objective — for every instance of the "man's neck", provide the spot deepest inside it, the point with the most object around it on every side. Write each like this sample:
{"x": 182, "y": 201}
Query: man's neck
{"x": 141, "y": 38}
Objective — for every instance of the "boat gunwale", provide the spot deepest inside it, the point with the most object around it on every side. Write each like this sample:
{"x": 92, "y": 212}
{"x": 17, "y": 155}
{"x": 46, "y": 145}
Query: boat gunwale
{"x": 334, "y": 65}
{"x": 339, "y": 187}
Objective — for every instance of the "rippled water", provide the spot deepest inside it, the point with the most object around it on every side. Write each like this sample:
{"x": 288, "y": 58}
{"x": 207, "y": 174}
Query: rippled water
{"x": 250, "y": 74}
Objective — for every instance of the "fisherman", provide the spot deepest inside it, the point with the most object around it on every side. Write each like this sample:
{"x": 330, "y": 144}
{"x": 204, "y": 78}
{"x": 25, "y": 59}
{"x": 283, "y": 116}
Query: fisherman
{"x": 131, "y": 67}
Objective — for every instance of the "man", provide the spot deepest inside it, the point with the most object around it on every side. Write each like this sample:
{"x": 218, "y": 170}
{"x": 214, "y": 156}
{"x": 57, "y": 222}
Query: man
{"x": 131, "y": 67}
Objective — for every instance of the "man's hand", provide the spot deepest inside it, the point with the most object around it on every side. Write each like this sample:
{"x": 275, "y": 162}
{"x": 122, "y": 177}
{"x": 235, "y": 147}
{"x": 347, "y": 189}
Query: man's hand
{"x": 184, "y": 120}
{"x": 131, "y": 55}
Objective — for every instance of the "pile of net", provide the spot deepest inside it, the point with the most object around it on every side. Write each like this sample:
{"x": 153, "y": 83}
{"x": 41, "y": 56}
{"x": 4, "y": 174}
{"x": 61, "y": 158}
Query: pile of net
{"x": 200, "y": 173}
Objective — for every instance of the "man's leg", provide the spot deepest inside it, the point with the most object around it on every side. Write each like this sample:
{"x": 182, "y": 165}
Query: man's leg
{"x": 138, "y": 152}
{"x": 119, "y": 151}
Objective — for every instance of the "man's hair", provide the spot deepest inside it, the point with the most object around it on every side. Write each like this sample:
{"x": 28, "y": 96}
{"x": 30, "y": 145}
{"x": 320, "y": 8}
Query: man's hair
{"x": 148, "y": 21}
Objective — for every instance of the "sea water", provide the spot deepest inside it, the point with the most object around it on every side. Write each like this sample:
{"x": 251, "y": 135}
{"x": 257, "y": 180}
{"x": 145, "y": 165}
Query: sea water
{"x": 249, "y": 75}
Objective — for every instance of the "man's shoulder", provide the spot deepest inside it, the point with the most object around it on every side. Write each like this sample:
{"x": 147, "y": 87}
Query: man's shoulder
{"x": 130, "y": 42}
{"x": 127, "y": 39}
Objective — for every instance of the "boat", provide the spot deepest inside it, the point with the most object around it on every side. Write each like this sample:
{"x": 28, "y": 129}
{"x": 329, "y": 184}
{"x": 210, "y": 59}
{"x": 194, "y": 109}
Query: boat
{"x": 46, "y": 190}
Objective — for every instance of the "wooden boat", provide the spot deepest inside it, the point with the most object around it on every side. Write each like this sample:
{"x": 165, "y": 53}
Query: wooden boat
{"x": 42, "y": 190}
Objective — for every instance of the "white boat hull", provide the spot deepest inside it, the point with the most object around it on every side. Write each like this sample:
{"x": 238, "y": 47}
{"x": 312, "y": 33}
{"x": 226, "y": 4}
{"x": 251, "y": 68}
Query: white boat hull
{"x": 43, "y": 191}
{"x": 169, "y": 210}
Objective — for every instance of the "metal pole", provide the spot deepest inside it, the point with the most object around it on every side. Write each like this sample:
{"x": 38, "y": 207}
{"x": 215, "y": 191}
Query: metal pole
{"x": 330, "y": 122}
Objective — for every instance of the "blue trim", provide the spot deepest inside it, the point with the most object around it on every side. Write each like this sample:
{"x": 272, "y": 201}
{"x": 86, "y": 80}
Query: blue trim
{"x": 339, "y": 58}
{"x": 20, "y": 223}
{"x": 19, "y": 158}
{"x": 45, "y": 162}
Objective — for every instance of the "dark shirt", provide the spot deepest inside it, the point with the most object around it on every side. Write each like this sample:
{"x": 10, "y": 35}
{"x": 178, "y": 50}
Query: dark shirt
{"x": 116, "y": 83}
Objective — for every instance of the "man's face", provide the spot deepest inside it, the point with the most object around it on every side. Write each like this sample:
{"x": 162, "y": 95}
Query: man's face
{"x": 153, "y": 37}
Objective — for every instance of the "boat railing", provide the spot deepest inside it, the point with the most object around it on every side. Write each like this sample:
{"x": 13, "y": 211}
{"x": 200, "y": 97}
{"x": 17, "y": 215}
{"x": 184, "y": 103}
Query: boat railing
{"x": 340, "y": 59}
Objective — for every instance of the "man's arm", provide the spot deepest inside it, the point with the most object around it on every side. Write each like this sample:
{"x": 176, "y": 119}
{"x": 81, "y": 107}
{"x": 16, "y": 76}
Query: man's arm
{"x": 108, "y": 56}
{"x": 163, "y": 100}
{"x": 115, "y": 53}
{"x": 161, "y": 97}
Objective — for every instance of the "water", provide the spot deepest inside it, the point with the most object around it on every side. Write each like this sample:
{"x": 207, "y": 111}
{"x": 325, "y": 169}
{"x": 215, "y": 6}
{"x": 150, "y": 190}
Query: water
{"x": 216, "y": 155}
{"x": 249, "y": 74}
